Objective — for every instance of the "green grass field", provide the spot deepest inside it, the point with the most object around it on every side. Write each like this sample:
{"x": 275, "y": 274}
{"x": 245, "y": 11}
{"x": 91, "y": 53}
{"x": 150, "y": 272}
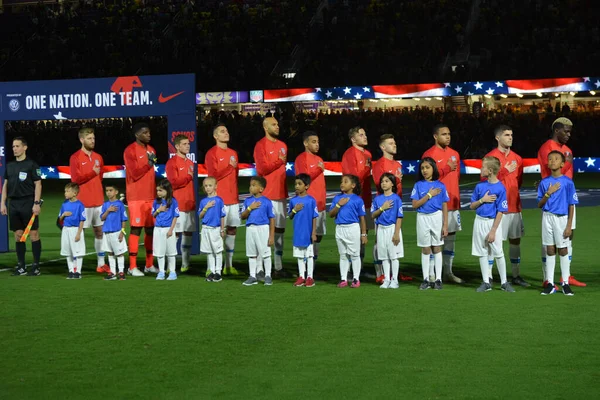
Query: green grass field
{"x": 190, "y": 339}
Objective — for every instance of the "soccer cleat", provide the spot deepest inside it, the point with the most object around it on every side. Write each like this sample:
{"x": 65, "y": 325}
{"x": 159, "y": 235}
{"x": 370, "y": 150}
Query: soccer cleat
{"x": 172, "y": 276}
{"x": 507, "y": 287}
{"x": 151, "y": 270}
{"x": 231, "y": 271}
{"x": 250, "y": 281}
{"x": 300, "y": 281}
{"x": 484, "y": 287}
{"x": 556, "y": 288}
{"x": 491, "y": 281}
{"x": 549, "y": 289}
{"x": 110, "y": 277}
{"x": 355, "y": 284}
{"x": 394, "y": 284}
{"x": 405, "y": 277}
{"x": 342, "y": 284}
{"x": 70, "y": 276}
{"x": 518, "y": 281}
{"x": 76, "y": 275}
{"x": 268, "y": 280}
{"x": 454, "y": 279}
{"x": 260, "y": 276}
{"x": 34, "y": 271}
{"x": 135, "y": 272}
{"x": 19, "y": 271}
{"x": 574, "y": 282}
{"x": 437, "y": 285}
{"x": 380, "y": 279}
{"x": 210, "y": 277}
{"x": 310, "y": 282}
{"x": 566, "y": 289}
{"x": 424, "y": 285}
{"x": 160, "y": 276}
{"x": 101, "y": 269}
{"x": 185, "y": 268}
{"x": 385, "y": 285}
{"x": 121, "y": 276}
{"x": 217, "y": 278}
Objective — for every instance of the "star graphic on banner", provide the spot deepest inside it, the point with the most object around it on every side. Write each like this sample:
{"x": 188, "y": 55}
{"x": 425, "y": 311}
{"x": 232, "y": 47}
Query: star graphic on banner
{"x": 288, "y": 166}
{"x": 590, "y": 162}
{"x": 358, "y": 96}
{"x": 470, "y": 94}
{"x": 50, "y": 169}
{"x": 328, "y": 94}
{"x": 411, "y": 168}
{"x": 156, "y": 168}
{"x": 164, "y": 175}
{"x": 43, "y": 176}
{"x": 339, "y": 98}
{"x": 366, "y": 89}
{"x": 499, "y": 84}
{"x": 597, "y": 83}
{"x": 447, "y": 84}
{"x": 490, "y": 91}
{"x": 318, "y": 89}
{"x": 458, "y": 89}
{"x": 579, "y": 171}
{"x": 586, "y": 79}
{"x": 478, "y": 85}
{"x": 347, "y": 90}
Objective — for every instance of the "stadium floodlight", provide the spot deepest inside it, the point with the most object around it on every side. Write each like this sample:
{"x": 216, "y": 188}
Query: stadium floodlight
{"x": 503, "y": 96}
{"x": 592, "y": 93}
{"x": 572, "y": 93}
{"x": 539, "y": 94}
{"x": 438, "y": 98}
{"x": 428, "y": 98}
{"x": 519, "y": 95}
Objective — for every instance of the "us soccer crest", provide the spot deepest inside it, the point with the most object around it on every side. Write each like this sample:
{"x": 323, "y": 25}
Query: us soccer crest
{"x": 97, "y": 163}
{"x": 232, "y": 159}
{"x": 282, "y": 151}
{"x": 453, "y": 158}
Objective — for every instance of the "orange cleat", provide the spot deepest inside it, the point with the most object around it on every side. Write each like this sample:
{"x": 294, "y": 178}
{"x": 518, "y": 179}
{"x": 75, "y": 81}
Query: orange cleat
{"x": 574, "y": 282}
{"x": 101, "y": 269}
{"x": 405, "y": 277}
{"x": 380, "y": 279}
{"x": 558, "y": 289}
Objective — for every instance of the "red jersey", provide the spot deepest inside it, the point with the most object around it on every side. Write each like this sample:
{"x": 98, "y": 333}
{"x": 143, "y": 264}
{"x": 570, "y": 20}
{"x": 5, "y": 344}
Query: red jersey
{"x": 542, "y": 156}
{"x": 357, "y": 162}
{"x": 139, "y": 175}
{"x": 447, "y": 177}
{"x": 217, "y": 162}
{"x": 308, "y": 163}
{"x": 82, "y": 166}
{"x": 391, "y": 166}
{"x": 178, "y": 173}
{"x": 271, "y": 167}
{"x": 512, "y": 181}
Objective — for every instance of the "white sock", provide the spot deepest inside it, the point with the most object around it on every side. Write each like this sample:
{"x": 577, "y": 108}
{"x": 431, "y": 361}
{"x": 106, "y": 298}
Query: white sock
{"x": 544, "y": 259}
{"x": 229, "y": 247}
{"x": 514, "y": 252}
{"x": 501, "y": 264}
{"x": 113, "y": 264}
{"x": 70, "y": 263}
{"x": 431, "y": 266}
{"x": 252, "y": 266}
{"x": 448, "y": 252}
{"x": 210, "y": 263}
{"x": 278, "y": 251}
{"x": 301, "y": 267}
{"x": 485, "y": 270}
{"x": 395, "y": 270}
{"x": 377, "y": 262}
{"x": 344, "y": 267}
{"x": 268, "y": 262}
{"x": 259, "y": 264}
{"x": 570, "y": 249}
{"x": 386, "y": 264}
{"x": 121, "y": 263}
{"x": 171, "y": 264}
{"x": 99, "y": 252}
{"x": 550, "y": 265}
{"x": 425, "y": 261}
{"x": 161, "y": 264}
{"x": 219, "y": 263}
{"x": 310, "y": 266}
{"x": 80, "y": 264}
{"x": 565, "y": 268}
{"x": 437, "y": 258}
{"x": 186, "y": 248}
{"x": 356, "y": 264}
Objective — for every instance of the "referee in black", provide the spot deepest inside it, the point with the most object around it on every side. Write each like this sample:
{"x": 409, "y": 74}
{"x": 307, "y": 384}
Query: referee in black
{"x": 23, "y": 186}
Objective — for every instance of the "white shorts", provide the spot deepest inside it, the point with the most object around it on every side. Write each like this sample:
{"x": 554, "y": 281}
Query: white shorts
{"x": 111, "y": 244}
{"x": 303, "y": 252}
{"x": 385, "y": 248}
{"x": 211, "y": 241}
{"x": 322, "y": 223}
{"x": 369, "y": 221}
{"x": 257, "y": 241}
{"x": 232, "y": 215}
{"x": 574, "y": 224}
{"x": 553, "y": 227}
{"x": 347, "y": 238}
{"x": 512, "y": 226}
{"x": 68, "y": 246}
{"x": 162, "y": 245}
{"x": 186, "y": 222}
{"x": 93, "y": 217}
{"x": 481, "y": 247}
{"x": 280, "y": 211}
{"x": 429, "y": 229}
{"x": 454, "y": 224}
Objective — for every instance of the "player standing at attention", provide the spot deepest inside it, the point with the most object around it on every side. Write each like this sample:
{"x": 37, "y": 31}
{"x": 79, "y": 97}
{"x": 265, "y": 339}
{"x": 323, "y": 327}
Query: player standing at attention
{"x": 311, "y": 164}
{"x": 212, "y": 215}
{"x": 511, "y": 176}
{"x": 357, "y": 161}
{"x": 222, "y": 164}
{"x": 180, "y": 173}
{"x": 561, "y": 132}
{"x": 166, "y": 211}
{"x": 86, "y": 167}
{"x": 448, "y": 165}
{"x": 270, "y": 156}
{"x": 557, "y": 198}
{"x": 72, "y": 242}
{"x": 140, "y": 159}
{"x": 348, "y": 209}
{"x": 489, "y": 202}
{"x": 387, "y": 213}
{"x": 304, "y": 213}
{"x": 115, "y": 245}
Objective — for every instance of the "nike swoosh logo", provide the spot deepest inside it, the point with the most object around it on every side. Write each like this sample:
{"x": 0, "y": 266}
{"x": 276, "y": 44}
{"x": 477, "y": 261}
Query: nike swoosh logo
{"x": 439, "y": 160}
{"x": 271, "y": 152}
{"x": 312, "y": 166}
{"x": 162, "y": 99}
{"x": 83, "y": 163}
{"x": 141, "y": 156}
{"x": 221, "y": 159}
{"x": 180, "y": 169}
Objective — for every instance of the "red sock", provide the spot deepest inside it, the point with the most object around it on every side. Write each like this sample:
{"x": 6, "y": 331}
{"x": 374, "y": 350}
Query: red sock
{"x": 133, "y": 250}
{"x": 148, "y": 246}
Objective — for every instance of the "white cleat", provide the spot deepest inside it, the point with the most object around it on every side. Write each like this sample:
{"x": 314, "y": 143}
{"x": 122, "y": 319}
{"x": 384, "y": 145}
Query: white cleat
{"x": 394, "y": 285}
{"x": 151, "y": 270}
{"x": 453, "y": 278}
{"x": 135, "y": 272}
{"x": 385, "y": 285}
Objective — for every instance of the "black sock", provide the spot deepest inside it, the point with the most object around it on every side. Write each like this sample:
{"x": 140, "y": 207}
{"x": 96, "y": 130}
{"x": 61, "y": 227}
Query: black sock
{"x": 36, "y": 249}
{"x": 21, "y": 248}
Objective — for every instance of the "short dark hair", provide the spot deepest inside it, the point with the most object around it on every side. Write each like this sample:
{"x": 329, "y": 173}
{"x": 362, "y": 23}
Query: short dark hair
{"x": 385, "y": 137}
{"x": 392, "y": 178}
{"x": 217, "y": 127}
{"x": 21, "y": 139}
{"x": 501, "y": 128}
{"x": 436, "y": 174}
{"x": 438, "y": 127}
{"x": 111, "y": 185}
{"x": 305, "y": 178}
{"x": 179, "y": 138}
{"x": 308, "y": 134}
{"x": 139, "y": 126}
{"x": 356, "y": 181}
{"x": 260, "y": 180}
{"x": 562, "y": 156}
{"x": 353, "y": 131}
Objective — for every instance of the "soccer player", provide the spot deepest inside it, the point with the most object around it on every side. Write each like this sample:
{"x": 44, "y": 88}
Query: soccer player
{"x": 72, "y": 243}
{"x": 115, "y": 245}
{"x": 448, "y": 165}
{"x": 212, "y": 213}
{"x": 86, "y": 171}
{"x": 357, "y": 161}
{"x": 303, "y": 212}
{"x": 23, "y": 186}
{"x": 490, "y": 204}
{"x": 140, "y": 159}
{"x": 180, "y": 173}
{"x": 387, "y": 164}
{"x": 311, "y": 164}
{"x": 511, "y": 176}
{"x": 222, "y": 164}
{"x": 561, "y": 132}
{"x": 270, "y": 156}
{"x": 260, "y": 230}
{"x": 166, "y": 211}
{"x": 557, "y": 198}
